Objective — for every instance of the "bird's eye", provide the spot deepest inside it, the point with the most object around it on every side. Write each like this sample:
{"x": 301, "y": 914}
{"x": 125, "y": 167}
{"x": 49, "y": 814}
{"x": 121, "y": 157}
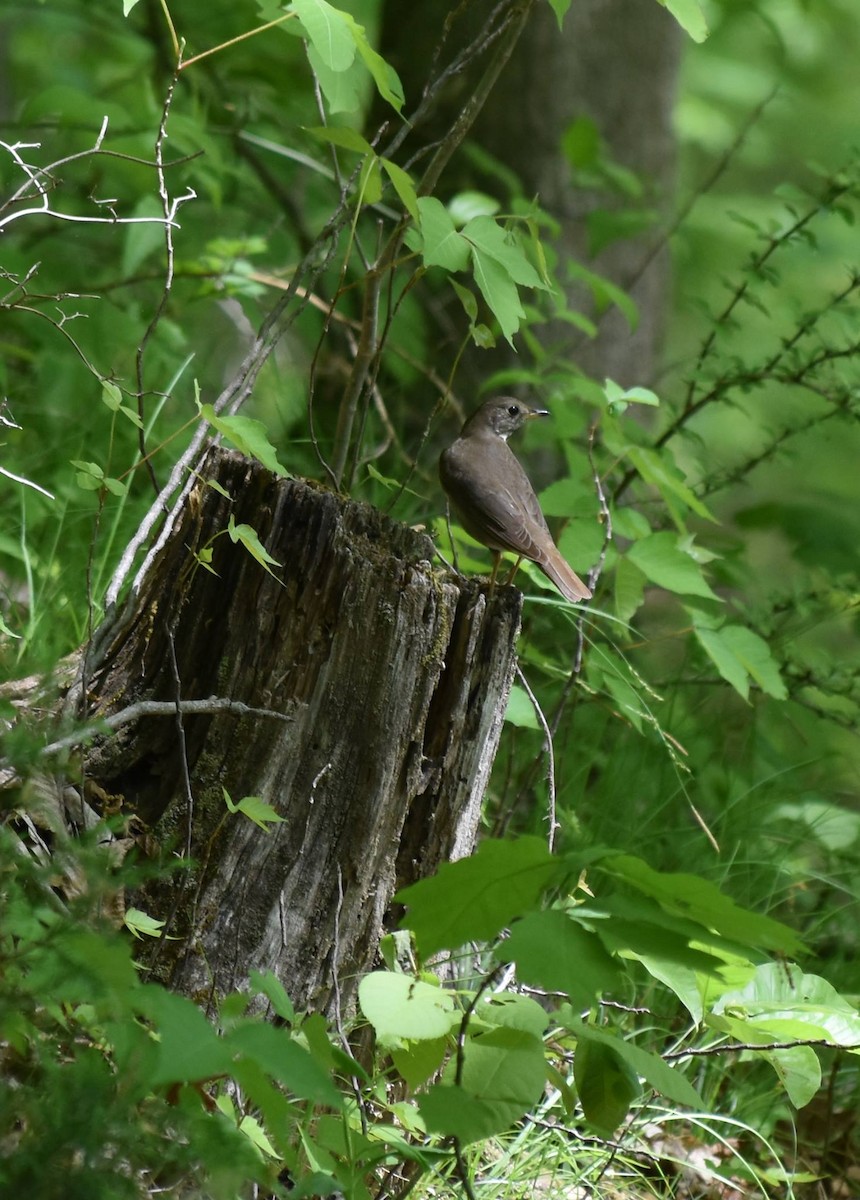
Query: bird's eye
{"x": 513, "y": 410}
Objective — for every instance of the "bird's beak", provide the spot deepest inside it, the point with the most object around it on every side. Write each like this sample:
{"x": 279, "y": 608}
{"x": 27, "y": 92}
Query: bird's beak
{"x": 537, "y": 412}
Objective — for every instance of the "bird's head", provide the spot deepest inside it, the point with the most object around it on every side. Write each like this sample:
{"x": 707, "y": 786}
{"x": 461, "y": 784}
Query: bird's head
{"x": 503, "y": 416}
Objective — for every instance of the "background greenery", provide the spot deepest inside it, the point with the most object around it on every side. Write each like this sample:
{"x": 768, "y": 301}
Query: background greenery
{"x": 676, "y": 738}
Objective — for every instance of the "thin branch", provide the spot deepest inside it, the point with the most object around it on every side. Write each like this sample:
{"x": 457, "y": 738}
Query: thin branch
{"x": 737, "y": 1047}
{"x": 551, "y": 814}
{"x": 160, "y": 708}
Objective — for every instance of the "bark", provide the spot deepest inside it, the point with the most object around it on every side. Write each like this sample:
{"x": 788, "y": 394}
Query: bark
{"x": 379, "y": 683}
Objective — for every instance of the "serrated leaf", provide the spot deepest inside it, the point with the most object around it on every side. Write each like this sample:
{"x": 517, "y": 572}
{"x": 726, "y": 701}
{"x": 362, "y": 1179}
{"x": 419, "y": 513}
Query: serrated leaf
{"x": 689, "y": 15}
{"x": 490, "y": 239}
{"x": 248, "y": 436}
{"x": 474, "y": 898}
{"x": 696, "y": 898}
{"x": 341, "y": 135}
{"x": 246, "y": 536}
{"x": 443, "y": 245}
{"x": 142, "y": 924}
{"x": 259, "y": 812}
{"x": 739, "y": 655}
{"x": 499, "y": 292}
{"x": 384, "y": 75}
{"x": 660, "y": 560}
{"x": 654, "y": 468}
{"x": 328, "y": 31}
{"x": 404, "y": 187}
{"x": 255, "y": 1133}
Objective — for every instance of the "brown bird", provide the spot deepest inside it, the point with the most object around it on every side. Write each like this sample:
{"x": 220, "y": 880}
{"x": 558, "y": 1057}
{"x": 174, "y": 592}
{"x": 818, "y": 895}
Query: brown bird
{"x": 494, "y": 499}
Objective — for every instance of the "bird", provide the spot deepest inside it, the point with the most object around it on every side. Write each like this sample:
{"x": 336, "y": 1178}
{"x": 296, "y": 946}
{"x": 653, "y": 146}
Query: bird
{"x": 494, "y": 499}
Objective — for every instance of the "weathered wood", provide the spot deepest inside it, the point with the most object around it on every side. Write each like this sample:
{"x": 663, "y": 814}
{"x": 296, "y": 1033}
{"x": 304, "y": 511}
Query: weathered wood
{"x": 393, "y": 677}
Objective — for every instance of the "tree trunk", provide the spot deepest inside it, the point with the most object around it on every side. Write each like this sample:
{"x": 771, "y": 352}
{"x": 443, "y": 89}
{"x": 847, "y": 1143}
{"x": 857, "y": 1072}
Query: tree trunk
{"x": 614, "y": 62}
{"x": 379, "y": 685}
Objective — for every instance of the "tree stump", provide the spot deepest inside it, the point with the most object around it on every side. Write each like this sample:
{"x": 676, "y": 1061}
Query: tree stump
{"x": 379, "y": 686}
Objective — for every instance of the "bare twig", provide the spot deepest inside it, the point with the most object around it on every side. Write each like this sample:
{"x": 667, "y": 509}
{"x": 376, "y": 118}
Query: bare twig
{"x": 160, "y": 708}
{"x": 551, "y": 814}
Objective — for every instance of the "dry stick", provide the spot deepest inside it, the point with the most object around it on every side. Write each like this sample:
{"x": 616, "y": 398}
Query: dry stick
{"x": 553, "y": 822}
{"x": 358, "y": 375}
{"x": 169, "y": 210}
{"x": 160, "y": 708}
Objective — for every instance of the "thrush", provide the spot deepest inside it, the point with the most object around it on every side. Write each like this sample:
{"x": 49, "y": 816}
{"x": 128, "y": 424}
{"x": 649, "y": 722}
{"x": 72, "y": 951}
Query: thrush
{"x": 494, "y": 499}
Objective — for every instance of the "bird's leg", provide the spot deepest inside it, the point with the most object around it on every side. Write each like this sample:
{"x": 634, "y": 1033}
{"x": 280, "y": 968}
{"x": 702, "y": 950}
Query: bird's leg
{"x": 514, "y": 569}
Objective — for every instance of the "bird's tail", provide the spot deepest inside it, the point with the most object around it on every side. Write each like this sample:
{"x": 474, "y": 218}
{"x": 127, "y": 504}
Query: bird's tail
{"x": 566, "y": 580}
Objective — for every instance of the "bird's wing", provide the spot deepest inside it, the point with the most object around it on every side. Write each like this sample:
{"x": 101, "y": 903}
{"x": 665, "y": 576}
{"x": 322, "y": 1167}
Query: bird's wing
{"x": 504, "y": 517}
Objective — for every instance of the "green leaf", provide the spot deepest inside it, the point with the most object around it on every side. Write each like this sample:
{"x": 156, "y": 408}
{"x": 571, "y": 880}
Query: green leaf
{"x": 474, "y": 898}
{"x": 499, "y": 292}
{"x": 555, "y": 953}
{"x": 283, "y": 1059}
{"x": 504, "y": 1073}
{"x": 248, "y": 537}
{"x": 798, "y": 1070}
{"x": 343, "y": 90}
{"x": 328, "y": 31}
{"x": 618, "y": 398}
{"x": 606, "y": 1085}
{"x": 370, "y": 181}
{"x": 465, "y": 206}
{"x": 189, "y": 1049}
{"x": 513, "y": 1012}
{"x": 689, "y": 15}
{"x": 467, "y": 299}
{"x": 417, "y": 1061}
{"x": 275, "y": 992}
{"x": 740, "y": 655}
{"x": 660, "y": 560}
{"x": 655, "y": 469}
{"x": 141, "y": 923}
{"x": 111, "y": 395}
{"x": 560, "y": 7}
{"x": 443, "y": 245}
{"x": 490, "y": 240}
{"x": 401, "y": 1008}
{"x": 384, "y": 76}
{"x": 404, "y": 187}
{"x": 259, "y": 812}
{"x": 248, "y": 436}
{"x": 629, "y": 586}
{"x": 520, "y": 710}
{"x": 695, "y": 898}
{"x": 658, "y": 1074}
{"x": 253, "y": 1130}
{"x": 341, "y": 135}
